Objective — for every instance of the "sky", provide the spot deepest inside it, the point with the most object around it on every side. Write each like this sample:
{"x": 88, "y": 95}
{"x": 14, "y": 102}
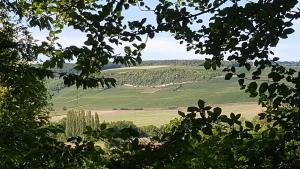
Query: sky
{"x": 165, "y": 47}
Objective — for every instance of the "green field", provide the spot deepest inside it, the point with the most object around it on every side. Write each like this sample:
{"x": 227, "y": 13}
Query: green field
{"x": 214, "y": 91}
{"x": 158, "y": 117}
{"x": 154, "y": 104}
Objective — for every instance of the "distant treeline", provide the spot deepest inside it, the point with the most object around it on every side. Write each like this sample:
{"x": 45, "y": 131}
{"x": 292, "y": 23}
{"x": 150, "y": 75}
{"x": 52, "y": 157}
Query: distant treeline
{"x": 69, "y": 67}
{"x": 289, "y": 63}
{"x": 183, "y": 63}
{"x": 201, "y": 62}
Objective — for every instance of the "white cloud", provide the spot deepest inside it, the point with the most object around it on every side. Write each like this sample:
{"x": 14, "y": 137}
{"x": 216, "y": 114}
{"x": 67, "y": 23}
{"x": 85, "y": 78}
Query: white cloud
{"x": 67, "y": 37}
{"x": 167, "y": 48}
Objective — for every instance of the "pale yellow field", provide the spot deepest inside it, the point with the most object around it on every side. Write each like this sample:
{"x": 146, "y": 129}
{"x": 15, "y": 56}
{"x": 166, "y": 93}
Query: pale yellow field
{"x": 159, "y": 117}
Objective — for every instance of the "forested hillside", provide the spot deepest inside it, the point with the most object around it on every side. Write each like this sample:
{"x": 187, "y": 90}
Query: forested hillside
{"x": 161, "y": 76}
{"x": 156, "y": 73}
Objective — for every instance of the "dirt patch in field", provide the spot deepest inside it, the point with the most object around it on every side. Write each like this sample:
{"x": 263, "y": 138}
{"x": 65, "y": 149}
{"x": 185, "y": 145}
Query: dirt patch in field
{"x": 122, "y": 112}
{"x": 247, "y": 110}
{"x": 151, "y": 90}
{"x": 139, "y": 67}
{"x": 57, "y": 118}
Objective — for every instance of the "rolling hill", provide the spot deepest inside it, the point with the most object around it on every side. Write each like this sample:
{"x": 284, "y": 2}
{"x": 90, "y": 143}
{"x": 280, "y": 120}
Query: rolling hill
{"x": 154, "y": 86}
{"x": 152, "y": 93}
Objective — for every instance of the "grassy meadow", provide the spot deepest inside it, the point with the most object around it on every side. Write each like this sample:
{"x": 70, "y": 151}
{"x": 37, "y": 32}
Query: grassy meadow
{"x": 157, "y": 117}
{"x": 153, "y": 104}
{"x": 214, "y": 91}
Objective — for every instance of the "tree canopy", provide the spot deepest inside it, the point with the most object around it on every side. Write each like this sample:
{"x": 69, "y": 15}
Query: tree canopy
{"x": 241, "y": 31}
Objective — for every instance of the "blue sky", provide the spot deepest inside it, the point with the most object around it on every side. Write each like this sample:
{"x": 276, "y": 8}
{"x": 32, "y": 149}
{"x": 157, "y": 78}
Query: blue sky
{"x": 163, "y": 46}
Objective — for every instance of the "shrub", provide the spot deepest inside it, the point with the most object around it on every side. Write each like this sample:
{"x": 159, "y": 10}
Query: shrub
{"x": 64, "y": 108}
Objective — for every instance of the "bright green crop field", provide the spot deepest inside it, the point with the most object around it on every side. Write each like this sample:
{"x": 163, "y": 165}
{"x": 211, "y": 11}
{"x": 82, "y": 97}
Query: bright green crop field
{"x": 214, "y": 91}
{"x": 153, "y": 104}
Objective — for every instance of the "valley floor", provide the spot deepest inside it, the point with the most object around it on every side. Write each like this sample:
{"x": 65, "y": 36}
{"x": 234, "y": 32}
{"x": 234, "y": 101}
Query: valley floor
{"x": 157, "y": 117}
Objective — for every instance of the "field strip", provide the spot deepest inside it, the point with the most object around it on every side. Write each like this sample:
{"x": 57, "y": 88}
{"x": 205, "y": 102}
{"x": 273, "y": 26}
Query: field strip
{"x": 72, "y": 100}
{"x": 162, "y": 85}
{"x": 153, "y": 90}
{"x": 157, "y": 116}
{"x": 137, "y": 67}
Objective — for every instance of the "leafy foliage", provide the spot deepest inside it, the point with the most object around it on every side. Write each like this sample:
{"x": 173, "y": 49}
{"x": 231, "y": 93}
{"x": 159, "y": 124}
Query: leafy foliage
{"x": 242, "y": 31}
{"x": 205, "y": 138}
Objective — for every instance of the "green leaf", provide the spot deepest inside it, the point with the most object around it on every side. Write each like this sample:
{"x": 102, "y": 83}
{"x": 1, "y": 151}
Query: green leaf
{"x": 275, "y": 76}
{"x": 196, "y": 135}
{"x": 242, "y": 75}
{"x": 207, "y": 130}
{"x": 217, "y": 111}
{"x": 275, "y": 59}
{"x": 151, "y": 35}
{"x": 272, "y": 88}
{"x": 228, "y": 76}
{"x": 284, "y": 36}
{"x": 103, "y": 126}
{"x": 232, "y": 68}
{"x": 223, "y": 118}
{"x": 249, "y": 124}
{"x": 288, "y": 31}
{"x": 180, "y": 113}
{"x": 143, "y": 20}
{"x": 232, "y": 116}
{"x": 252, "y": 86}
{"x": 257, "y": 127}
{"x": 237, "y": 116}
{"x": 138, "y": 38}
{"x": 277, "y": 101}
{"x": 191, "y": 115}
{"x": 139, "y": 60}
{"x": 248, "y": 66}
{"x": 262, "y": 115}
{"x": 207, "y": 65}
{"x": 127, "y": 50}
{"x": 126, "y": 6}
{"x": 142, "y": 46}
{"x": 241, "y": 82}
{"x": 107, "y": 9}
{"x": 192, "y": 109}
{"x": 201, "y": 103}
{"x": 263, "y": 88}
